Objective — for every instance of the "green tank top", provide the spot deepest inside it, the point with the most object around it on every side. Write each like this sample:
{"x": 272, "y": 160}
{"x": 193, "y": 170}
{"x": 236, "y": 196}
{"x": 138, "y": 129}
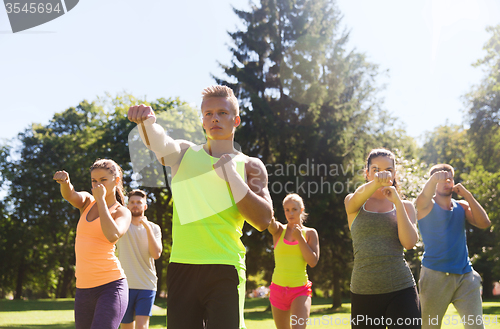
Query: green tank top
{"x": 207, "y": 225}
{"x": 290, "y": 265}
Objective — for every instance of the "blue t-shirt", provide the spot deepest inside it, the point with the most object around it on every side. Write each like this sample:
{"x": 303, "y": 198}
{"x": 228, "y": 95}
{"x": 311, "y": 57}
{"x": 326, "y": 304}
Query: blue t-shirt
{"x": 445, "y": 242}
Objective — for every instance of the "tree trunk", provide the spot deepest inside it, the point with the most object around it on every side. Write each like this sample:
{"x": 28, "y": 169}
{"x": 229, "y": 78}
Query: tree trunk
{"x": 487, "y": 285}
{"x": 20, "y": 279}
{"x": 64, "y": 283}
{"x": 337, "y": 300}
{"x": 159, "y": 273}
{"x": 314, "y": 293}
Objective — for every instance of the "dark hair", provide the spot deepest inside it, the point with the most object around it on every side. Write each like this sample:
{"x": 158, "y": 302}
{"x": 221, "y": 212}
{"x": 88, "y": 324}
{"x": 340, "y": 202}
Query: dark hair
{"x": 116, "y": 171}
{"x": 137, "y": 192}
{"x": 381, "y": 152}
{"x": 441, "y": 167}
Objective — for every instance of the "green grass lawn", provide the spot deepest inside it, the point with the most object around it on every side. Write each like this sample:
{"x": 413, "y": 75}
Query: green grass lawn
{"x": 58, "y": 314}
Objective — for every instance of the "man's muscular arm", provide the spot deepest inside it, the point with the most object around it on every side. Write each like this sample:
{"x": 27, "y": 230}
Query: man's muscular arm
{"x": 253, "y": 199}
{"x": 423, "y": 203}
{"x": 474, "y": 212}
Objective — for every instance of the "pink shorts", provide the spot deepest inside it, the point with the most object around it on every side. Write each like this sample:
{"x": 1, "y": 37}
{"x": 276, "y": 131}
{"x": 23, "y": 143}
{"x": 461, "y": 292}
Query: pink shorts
{"x": 282, "y": 297}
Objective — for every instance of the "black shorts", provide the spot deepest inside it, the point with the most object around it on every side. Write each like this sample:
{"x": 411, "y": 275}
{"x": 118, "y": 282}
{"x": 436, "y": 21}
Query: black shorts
{"x": 202, "y": 296}
{"x": 398, "y": 309}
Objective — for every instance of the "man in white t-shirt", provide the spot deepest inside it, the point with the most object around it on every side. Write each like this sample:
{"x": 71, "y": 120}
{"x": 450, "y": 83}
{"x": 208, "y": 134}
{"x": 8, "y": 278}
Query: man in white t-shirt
{"x": 137, "y": 250}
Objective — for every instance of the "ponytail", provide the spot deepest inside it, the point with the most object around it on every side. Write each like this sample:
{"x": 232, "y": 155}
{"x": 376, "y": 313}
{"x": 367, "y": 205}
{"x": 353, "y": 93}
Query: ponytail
{"x": 120, "y": 197}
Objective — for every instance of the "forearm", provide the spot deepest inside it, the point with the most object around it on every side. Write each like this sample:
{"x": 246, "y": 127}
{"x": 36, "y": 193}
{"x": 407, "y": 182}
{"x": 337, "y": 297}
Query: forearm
{"x": 362, "y": 193}
{"x": 155, "y": 139}
{"x": 154, "y": 246}
{"x": 108, "y": 225}
{"x": 407, "y": 231}
{"x": 273, "y": 227}
{"x": 67, "y": 190}
{"x": 425, "y": 197}
{"x": 481, "y": 219}
{"x": 254, "y": 208}
{"x": 309, "y": 255}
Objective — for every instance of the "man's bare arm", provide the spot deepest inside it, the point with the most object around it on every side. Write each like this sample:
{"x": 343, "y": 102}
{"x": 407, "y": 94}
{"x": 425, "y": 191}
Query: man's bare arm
{"x": 423, "y": 203}
{"x": 154, "y": 242}
{"x": 474, "y": 212}
{"x": 257, "y": 206}
{"x": 168, "y": 151}
{"x": 253, "y": 199}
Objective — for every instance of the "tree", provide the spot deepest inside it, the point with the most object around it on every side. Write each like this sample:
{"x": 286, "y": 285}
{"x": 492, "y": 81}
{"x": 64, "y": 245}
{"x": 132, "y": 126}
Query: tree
{"x": 42, "y": 226}
{"x": 37, "y": 226}
{"x": 484, "y": 250}
{"x": 306, "y": 103}
{"x": 483, "y": 115}
{"x": 448, "y": 144}
{"x": 7, "y": 274}
{"x": 483, "y": 106}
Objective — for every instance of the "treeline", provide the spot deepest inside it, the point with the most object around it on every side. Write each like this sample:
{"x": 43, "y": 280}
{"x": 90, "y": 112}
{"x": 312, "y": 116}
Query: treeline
{"x": 310, "y": 110}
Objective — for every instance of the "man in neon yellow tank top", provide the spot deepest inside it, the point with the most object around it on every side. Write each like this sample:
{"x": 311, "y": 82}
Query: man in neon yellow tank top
{"x": 215, "y": 189}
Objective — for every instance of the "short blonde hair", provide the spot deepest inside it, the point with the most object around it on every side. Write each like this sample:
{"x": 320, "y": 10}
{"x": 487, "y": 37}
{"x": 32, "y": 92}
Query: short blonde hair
{"x": 297, "y": 198}
{"x": 222, "y": 91}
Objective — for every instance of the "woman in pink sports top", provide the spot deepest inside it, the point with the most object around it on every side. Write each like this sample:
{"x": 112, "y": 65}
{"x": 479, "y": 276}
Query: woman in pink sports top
{"x": 101, "y": 287}
{"x": 295, "y": 247}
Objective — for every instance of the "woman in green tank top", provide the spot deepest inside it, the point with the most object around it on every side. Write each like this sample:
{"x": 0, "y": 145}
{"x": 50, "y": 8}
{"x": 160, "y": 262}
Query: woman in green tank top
{"x": 295, "y": 247}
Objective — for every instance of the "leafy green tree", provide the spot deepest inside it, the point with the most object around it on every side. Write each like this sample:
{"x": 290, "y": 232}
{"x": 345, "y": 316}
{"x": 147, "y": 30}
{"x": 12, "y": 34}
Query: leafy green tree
{"x": 483, "y": 106}
{"x": 7, "y": 274}
{"x": 42, "y": 230}
{"x": 37, "y": 226}
{"x": 483, "y": 244}
{"x": 483, "y": 109}
{"x": 448, "y": 144}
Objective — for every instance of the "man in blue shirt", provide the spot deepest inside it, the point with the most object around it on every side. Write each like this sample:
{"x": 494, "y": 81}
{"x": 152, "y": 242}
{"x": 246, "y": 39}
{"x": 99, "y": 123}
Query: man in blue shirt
{"x": 447, "y": 275}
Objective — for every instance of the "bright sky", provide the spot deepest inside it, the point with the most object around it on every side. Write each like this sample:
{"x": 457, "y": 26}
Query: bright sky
{"x": 161, "y": 48}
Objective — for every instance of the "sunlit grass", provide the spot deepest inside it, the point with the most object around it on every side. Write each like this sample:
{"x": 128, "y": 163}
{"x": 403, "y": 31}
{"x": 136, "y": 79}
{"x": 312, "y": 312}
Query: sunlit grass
{"x": 58, "y": 314}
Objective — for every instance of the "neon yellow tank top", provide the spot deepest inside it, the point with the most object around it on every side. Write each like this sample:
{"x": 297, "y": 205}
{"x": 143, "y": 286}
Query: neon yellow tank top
{"x": 207, "y": 225}
{"x": 290, "y": 265}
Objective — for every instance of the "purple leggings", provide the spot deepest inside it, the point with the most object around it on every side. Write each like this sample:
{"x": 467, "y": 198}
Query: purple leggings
{"x": 101, "y": 307}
